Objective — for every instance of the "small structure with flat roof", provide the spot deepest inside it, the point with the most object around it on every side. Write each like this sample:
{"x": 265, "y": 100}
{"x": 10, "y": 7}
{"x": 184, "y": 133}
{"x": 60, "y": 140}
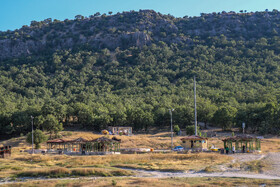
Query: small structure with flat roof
{"x": 197, "y": 143}
{"x": 121, "y": 130}
{"x": 243, "y": 143}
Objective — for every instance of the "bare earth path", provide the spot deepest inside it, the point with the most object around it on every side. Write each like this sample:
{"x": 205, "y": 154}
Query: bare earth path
{"x": 240, "y": 157}
{"x": 158, "y": 174}
{"x": 272, "y": 173}
{"x": 274, "y": 160}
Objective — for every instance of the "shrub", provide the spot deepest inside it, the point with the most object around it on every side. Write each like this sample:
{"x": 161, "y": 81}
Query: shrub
{"x": 68, "y": 133}
{"x": 38, "y": 136}
{"x": 190, "y": 130}
{"x": 64, "y": 172}
{"x": 114, "y": 183}
{"x": 176, "y": 128}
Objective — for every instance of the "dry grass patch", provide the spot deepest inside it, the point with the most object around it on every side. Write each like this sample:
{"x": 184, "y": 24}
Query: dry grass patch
{"x": 174, "y": 162}
{"x": 153, "y": 161}
{"x": 156, "y": 141}
{"x": 64, "y": 172}
{"x": 258, "y": 166}
{"x": 133, "y": 182}
{"x": 21, "y": 161}
{"x": 270, "y": 145}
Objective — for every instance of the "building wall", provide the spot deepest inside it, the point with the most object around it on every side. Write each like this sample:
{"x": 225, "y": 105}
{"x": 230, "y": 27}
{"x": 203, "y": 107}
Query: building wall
{"x": 117, "y": 130}
{"x": 197, "y": 144}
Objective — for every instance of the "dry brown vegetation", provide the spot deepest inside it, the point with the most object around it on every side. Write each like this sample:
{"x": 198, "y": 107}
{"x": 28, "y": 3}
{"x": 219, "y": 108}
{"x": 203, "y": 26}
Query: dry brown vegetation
{"x": 64, "y": 172}
{"x": 258, "y": 166}
{"x": 156, "y": 141}
{"x": 270, "y": 145}
{"x": 157, "y": 182}
{"x": 25, "y": 163}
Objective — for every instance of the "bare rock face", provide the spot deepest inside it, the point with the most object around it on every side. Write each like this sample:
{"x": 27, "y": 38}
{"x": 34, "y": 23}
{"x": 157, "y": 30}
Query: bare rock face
{"x": 10, "y": 48}
{"x": 15, "y": 48}
{"x": 138, "y": 39}
{"x": 132, "y": 29}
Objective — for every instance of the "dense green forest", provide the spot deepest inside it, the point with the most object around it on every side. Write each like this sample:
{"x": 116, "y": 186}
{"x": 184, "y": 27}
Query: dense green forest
{"x": 134, "y": 81}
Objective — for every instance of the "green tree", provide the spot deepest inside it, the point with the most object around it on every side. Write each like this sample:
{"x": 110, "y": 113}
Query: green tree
{"x": 205, "y": 110}
{"x": 176, "y": 129}
{"x": 52, "y": 125}
{"x": 85, "y": 114}
{"x": 38, "y": 137}
{"x": 190, "y": 130}
{"x": 224, "y": 117}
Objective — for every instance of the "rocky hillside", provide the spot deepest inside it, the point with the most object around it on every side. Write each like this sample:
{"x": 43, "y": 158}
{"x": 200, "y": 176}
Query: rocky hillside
{"x": 128, "y": 29}
{"x": 130, "y": 68}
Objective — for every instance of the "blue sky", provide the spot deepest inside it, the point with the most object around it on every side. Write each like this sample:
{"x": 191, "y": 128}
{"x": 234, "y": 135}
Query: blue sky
{"x": 15, "y": 13}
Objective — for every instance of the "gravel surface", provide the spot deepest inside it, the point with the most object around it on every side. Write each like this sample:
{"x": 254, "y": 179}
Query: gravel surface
{"x": 158, "y": 174}
{"x": 273, "y": 159}
{"x": 245, "y": 157}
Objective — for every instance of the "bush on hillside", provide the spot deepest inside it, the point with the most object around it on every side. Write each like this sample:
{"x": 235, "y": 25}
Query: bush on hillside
{"x": 38, "y": 136}
{"x": 190, "y": 130}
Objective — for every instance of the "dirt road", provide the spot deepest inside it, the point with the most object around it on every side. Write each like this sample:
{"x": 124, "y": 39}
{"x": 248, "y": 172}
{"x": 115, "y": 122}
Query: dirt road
{"x": 158, "y": 174}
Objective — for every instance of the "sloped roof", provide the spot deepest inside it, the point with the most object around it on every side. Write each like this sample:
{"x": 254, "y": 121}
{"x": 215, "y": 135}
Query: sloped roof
{"x": 57, "y": 141}
{"x": 193, "y": 137}
{"x": 82, "y": 140}
{"x": 103, "y": 139}
{"x": 240, "y": 137}
{"x": 116, "y": 139}
{"x": 78, "y": 140}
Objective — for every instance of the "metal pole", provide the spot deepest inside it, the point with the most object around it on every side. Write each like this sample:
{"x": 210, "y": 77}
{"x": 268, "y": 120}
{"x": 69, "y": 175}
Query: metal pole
{"x": 195, "y": 114}
{"x": 32, "y": 134}
{"x": 243, "y": 127}
{"x": 171, "y": 133}
{"x": 171, "y": 127}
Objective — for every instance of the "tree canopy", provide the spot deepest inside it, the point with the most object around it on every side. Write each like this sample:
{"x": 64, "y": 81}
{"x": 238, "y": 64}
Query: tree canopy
{"x": 237, "y": 74}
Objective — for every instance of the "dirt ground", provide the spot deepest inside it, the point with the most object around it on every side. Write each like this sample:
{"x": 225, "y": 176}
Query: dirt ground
{"x": 274, "y": 160}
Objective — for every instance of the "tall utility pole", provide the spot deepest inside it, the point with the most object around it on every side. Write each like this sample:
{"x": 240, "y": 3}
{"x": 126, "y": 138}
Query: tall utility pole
{"x": 195, "y": 114}
{"x": 170, "y": 112}
{"x": 32, "y": 135}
